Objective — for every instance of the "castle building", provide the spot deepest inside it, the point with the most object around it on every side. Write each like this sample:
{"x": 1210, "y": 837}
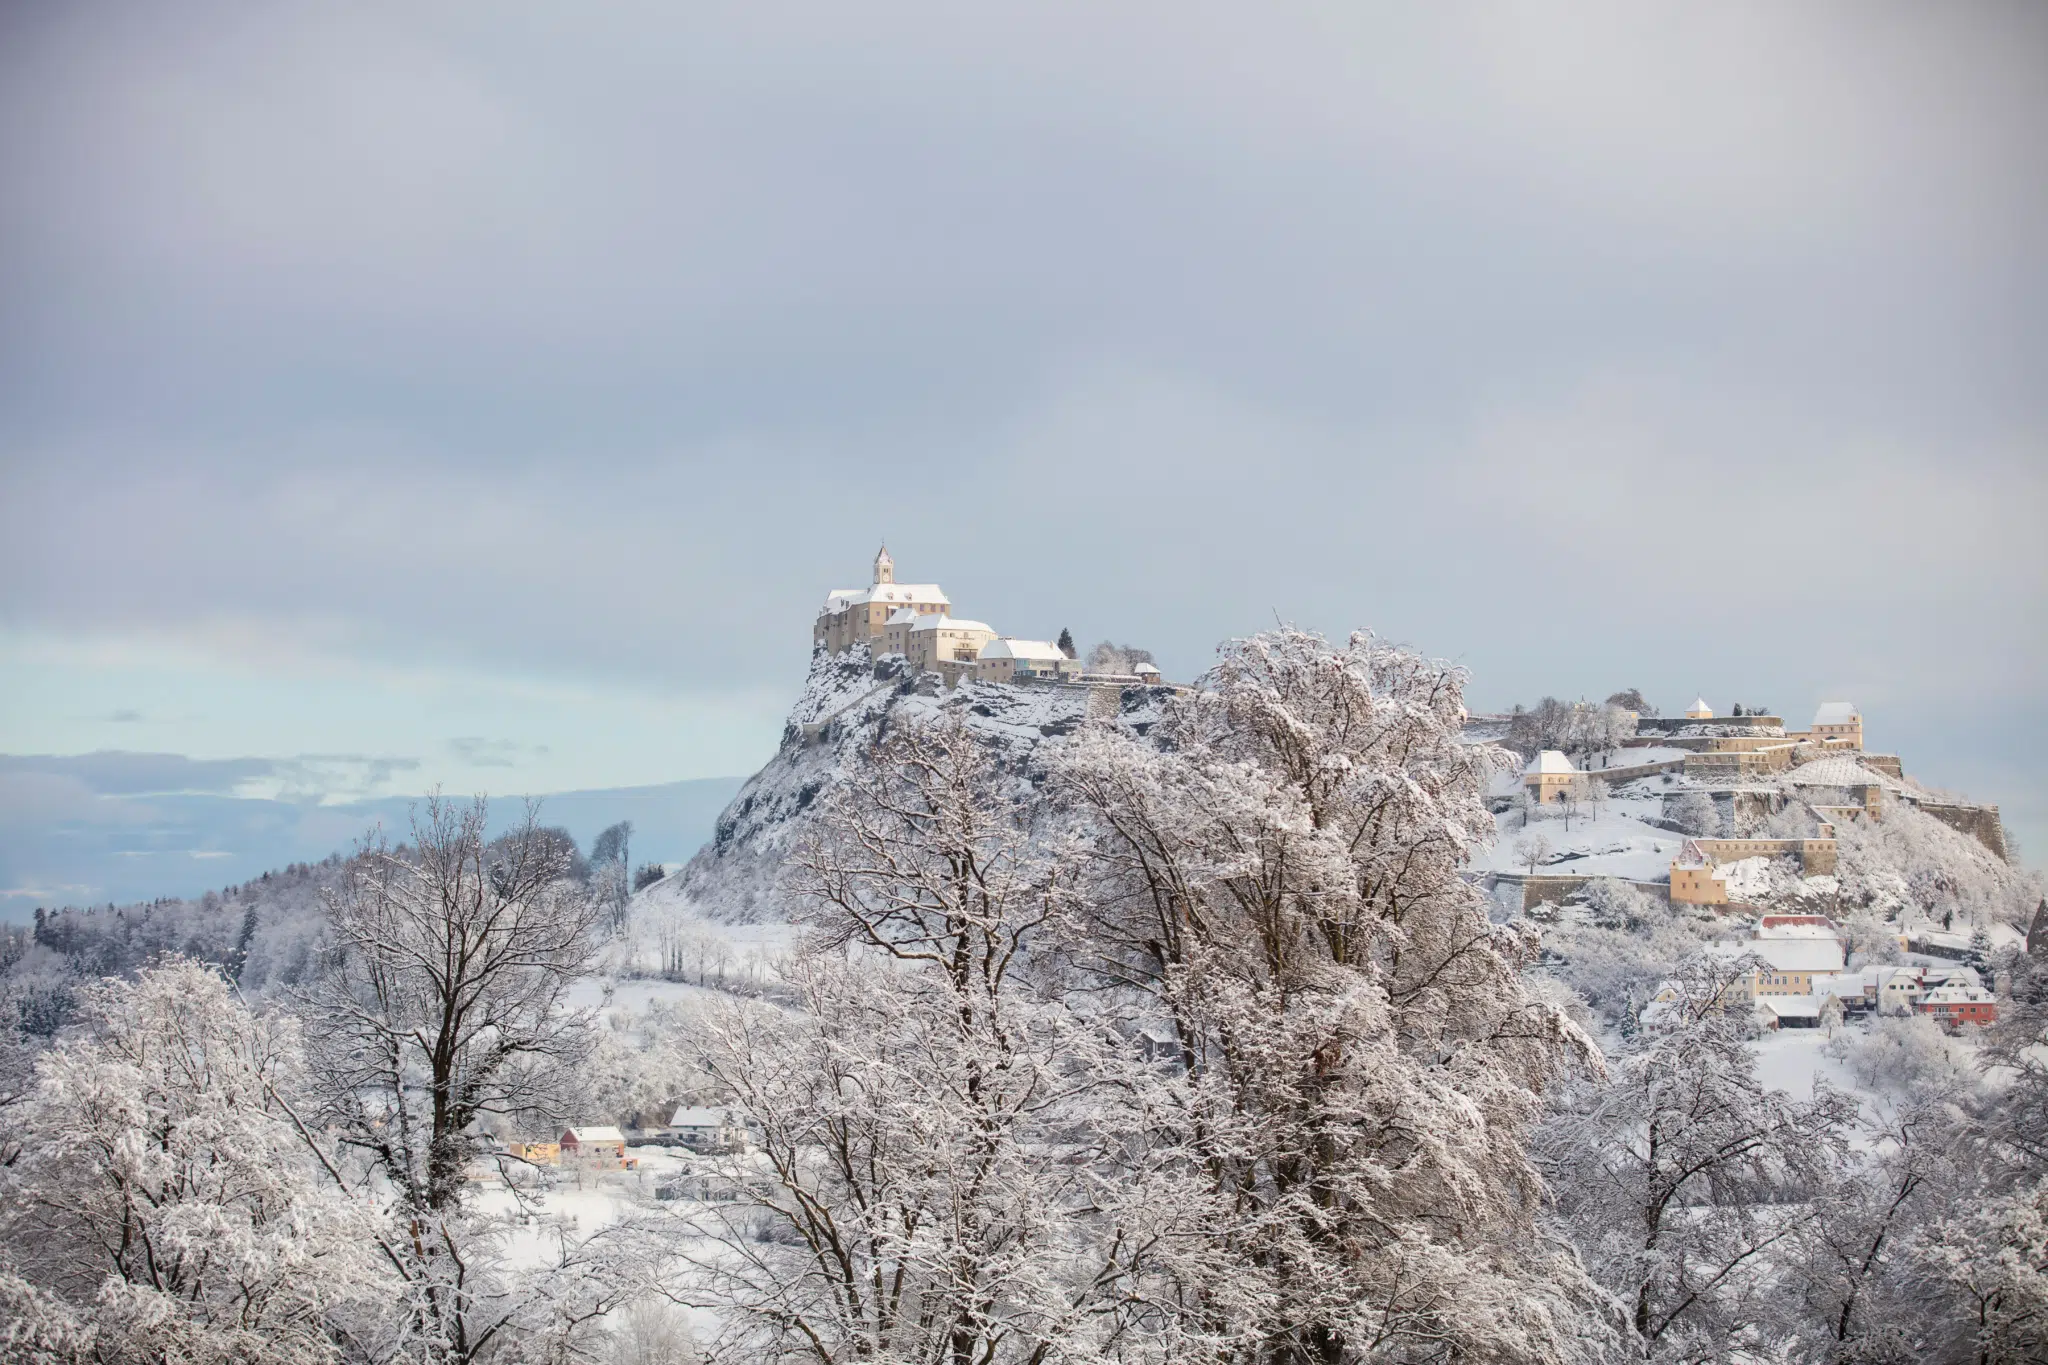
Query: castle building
{"x": 1840, "y": 722}
{"x": 946, "y": 645}
{"x": 1699, "y": 710}
{"x": 1005, "y": 660}
{"x": 851, "y": 615}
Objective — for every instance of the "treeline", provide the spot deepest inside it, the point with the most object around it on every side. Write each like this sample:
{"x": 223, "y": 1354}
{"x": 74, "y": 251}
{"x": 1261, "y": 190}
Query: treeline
{"x": 265, "y": 934}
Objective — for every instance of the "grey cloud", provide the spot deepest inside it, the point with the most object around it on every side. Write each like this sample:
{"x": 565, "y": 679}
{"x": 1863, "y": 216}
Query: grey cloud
{"x": 632, "y": 331}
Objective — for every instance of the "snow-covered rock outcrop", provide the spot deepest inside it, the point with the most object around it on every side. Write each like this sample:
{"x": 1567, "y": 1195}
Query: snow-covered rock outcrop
{"x": 849, "y": 702}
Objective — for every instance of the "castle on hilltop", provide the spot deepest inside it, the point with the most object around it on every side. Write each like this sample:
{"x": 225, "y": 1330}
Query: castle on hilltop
{"x": 916, "y": 620}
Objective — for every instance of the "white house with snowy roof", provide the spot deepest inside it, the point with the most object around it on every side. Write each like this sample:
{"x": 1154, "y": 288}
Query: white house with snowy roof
{"x": 1549, "y": 777}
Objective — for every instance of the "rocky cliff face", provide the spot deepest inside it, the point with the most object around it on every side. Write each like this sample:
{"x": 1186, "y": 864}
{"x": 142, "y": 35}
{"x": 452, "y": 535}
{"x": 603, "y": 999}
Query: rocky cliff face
{"x": 850, "y": 701}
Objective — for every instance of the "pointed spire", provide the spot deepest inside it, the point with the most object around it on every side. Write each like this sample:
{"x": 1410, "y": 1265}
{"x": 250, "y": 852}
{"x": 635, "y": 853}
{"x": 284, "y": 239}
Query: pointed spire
{"x": 885, "y": 567}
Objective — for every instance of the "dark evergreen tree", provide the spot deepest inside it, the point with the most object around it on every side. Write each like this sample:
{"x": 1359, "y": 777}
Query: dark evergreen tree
{"x": 1066, "y": 642}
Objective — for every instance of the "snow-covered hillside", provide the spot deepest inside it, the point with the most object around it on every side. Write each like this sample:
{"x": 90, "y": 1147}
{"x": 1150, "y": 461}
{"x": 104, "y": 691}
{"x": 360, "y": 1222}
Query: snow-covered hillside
{"x": 850, "y": 700}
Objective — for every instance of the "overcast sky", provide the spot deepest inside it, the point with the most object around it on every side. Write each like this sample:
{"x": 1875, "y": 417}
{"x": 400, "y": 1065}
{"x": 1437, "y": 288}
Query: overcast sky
{"x": 488, "y": 394}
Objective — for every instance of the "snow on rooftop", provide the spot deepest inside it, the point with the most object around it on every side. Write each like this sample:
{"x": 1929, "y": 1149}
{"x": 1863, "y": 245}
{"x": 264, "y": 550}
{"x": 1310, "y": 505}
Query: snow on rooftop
{"x": 1025, "y": 651}
{"x": 1699, "y": 707}
{"x": 1789, "y": 954}
{"x": 902, "y": 615}
{"x": 839, "y": 599}
{"x": 1840, "y": 770}
{"x": 939, "y": 621}
{"x": 1836, "y": 713}
{"x": 697, "y": 1118}
{"x": 599, "y": 1132}
{"x": 1550, "y": 761}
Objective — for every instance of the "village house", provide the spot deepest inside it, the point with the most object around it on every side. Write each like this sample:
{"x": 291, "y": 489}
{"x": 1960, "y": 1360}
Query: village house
{"x": 1786, "y": 966}
{"x": 1953, "y": 1006}
{"x": 538, "y": 1153}
{"x": 708, "y": 1130}
{"x": 1799, "y": 1011}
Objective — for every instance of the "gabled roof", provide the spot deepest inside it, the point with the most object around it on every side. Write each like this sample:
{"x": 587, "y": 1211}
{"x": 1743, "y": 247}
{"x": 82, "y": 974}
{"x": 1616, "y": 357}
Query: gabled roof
{"x": 601, "y": 1132}
{"x": 1836, "y": 713}
{"x": 902, "y": 616}
{"x": 1798, "y": 954}
{"x": 1958, "y": 995}
{"x": 940, "y": 621}
{"x": 1550, "y": 761}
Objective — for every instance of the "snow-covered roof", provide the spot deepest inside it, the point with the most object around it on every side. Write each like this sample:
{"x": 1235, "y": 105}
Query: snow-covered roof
{"x": 1958, "y": 995}
{"x": 1791, "y": 1006}
{"x": 1783, "y": 931}
{"x": 1699, "y": 707}
{"x": 697, "y": 1118}
{"x": 939, "y": 621}
{"x": 903, "y": 616}
{"x": 1146, "y": 670}
{"x": 1550, "y": 761}
{"x": 840, "y": 599}
{"x": 1798, "y": 954}
{"x": 601, "y": 1132}
{"x": 1024, "y": 651}
{"x": 1836, "y": 713}
{"x": 1840, "y": 770}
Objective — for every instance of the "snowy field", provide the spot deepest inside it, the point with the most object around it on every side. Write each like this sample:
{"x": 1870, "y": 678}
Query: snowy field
{"x": 1615, "y": 842}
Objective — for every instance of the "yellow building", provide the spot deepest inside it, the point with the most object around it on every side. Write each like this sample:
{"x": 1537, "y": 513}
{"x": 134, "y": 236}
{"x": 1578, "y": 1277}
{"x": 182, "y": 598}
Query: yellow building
{"x": 1549, "y": 777}
{"x": 852, "y": 615}
{"x": 946, "y": 645}
{"x": 1696, "y": 878}
{"x": 1838, "y": 722}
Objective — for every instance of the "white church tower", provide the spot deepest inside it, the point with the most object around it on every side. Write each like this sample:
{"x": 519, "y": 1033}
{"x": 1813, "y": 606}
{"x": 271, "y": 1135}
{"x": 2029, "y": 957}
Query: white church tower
{"x": 885, "y": 567}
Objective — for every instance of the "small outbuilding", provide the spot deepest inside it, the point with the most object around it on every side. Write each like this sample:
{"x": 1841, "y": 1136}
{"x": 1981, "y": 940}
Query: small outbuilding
{"x": 1699, "y": 710}
{"x": 594, "y": 1142}
{"x": 1549, "y": 777}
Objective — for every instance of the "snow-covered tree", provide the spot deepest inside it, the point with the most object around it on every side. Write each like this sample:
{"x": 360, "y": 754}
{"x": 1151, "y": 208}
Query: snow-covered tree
{"x": 1678, "y": 1175}
{"x": 168, "y": 1203}
{"x": 1855, "y": 1282}
{"x": 443, "y": 1005}
{"x": 1276, "y": 878}
{"x": 930, "y": 1181}
{"x": 1693, "y": 812}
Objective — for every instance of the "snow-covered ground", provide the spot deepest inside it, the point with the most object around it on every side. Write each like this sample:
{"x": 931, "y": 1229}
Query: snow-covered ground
{"x": 1614, "y": 843}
